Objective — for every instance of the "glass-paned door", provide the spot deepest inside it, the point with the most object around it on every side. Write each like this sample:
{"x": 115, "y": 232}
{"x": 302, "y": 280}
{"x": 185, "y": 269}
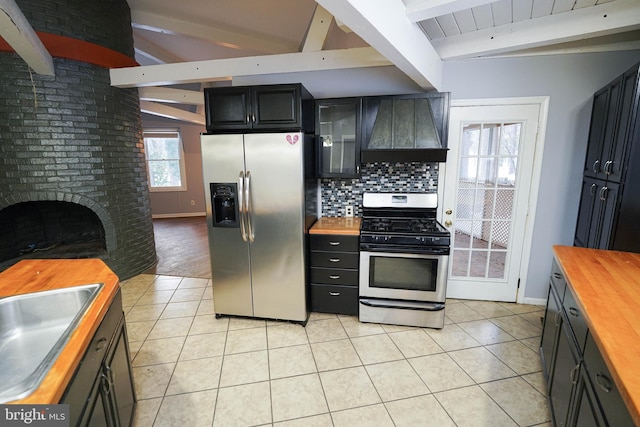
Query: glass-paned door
{"x": 487, "y": 184}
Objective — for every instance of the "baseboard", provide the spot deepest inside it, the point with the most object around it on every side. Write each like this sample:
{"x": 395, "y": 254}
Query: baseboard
{"x": 534, "y": 301}
{"x": 178, "y": 215}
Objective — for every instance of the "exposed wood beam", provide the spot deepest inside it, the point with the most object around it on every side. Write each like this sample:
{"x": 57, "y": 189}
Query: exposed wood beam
{"x": 421, "y": 10}
{"x": 235, "y": 38}
{"x": 222, "y": 69}
{"x": 615, "y": 42}
{"x": 343, "y": 27}
{"x": 170, "y": 112}
{"x": 385, "y": 26}
{"x": 172, "y": 96}
{"x": 17, "y": 31}
{"x": 152, "y": 51}
{"x": 318, "y": 30}
{"x": 596, "y": 21}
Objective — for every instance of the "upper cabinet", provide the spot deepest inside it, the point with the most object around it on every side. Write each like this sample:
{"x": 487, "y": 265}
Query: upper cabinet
{"x": 405, "y": 128}
{"x": 610, "y": 202}
{"x": 338, "y": 137}
{"x": 287, "y": 107}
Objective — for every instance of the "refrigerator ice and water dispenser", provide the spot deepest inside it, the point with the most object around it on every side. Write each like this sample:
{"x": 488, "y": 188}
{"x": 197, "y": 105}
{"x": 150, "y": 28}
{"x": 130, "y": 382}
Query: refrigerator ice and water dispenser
{"x": 224, "y": 204}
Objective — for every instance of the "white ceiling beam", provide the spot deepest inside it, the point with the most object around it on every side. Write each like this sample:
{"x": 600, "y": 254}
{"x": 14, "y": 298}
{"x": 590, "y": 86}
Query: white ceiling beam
{"x": 17, "y": 31}
{"x": 222, "y": 69}
{"x": 234, "y": 38}
{"x": 171, "y": 96}
{"x": 580, "y": 24}
{"x": 616, "y": 42}
{"x": 152, "y": 51}
{"x": 170, "y": 112}
{"x": 318, "y": 30}
{"x": 384, "y": 26}
{"x": 343, "y": 27}
{"x": 421, "y": 10}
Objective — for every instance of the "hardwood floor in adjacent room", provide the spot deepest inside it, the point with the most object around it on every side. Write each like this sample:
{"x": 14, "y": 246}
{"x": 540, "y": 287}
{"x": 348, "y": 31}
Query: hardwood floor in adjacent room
{"x": 182, "y": 247}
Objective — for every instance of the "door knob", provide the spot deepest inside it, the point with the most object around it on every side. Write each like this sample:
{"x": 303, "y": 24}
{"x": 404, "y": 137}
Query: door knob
{"x": 448, "y": 211}
{"x": 448, "y": 223}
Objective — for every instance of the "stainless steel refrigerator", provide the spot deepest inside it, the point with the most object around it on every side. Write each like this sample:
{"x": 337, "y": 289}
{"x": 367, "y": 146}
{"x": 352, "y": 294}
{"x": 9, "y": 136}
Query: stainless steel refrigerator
{"x": 261, "y": 199}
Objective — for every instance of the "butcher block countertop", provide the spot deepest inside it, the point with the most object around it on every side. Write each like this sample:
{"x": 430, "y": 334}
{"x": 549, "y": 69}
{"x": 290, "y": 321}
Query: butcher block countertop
{"x": 41, "y": 275}
{"x": 607, "y": 287}
{"x": 336, "y": 225}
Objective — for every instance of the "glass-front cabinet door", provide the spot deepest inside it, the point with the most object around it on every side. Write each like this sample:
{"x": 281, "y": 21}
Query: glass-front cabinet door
{"x": 338, "y": 137}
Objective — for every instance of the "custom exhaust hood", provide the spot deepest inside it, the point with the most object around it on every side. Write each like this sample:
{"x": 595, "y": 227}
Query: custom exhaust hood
{"x": 405, "y": 128}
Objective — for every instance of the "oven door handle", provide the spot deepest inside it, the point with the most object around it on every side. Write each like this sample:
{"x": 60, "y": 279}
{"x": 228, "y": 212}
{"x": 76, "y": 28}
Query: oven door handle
{"x": 405, "y": 305}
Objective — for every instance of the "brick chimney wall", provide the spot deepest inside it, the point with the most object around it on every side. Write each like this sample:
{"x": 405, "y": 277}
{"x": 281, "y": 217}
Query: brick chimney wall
{"x": 73, "y": 137}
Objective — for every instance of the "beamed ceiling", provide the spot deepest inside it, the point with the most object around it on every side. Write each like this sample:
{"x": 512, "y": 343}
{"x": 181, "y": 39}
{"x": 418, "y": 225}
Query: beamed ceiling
{"x": 184, "y": 46}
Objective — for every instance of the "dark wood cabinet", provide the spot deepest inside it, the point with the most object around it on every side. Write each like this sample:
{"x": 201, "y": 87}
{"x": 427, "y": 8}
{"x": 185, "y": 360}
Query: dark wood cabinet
{"x": 550, "y": 329}
{"x": 610, "y": 199}
{"x": 287, "y": 107}
{"x": 564, "y": 377}
{"x": 338, "y": 137}
{"x": 334, "y": 273}
{"x": 607, "y": 394}
{"x": 101, "y": 392}
{"x": 580, "y": 389}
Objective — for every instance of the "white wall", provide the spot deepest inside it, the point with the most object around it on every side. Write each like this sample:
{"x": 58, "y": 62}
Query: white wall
{"x": 178, "y": 203}
{"x": 569, "y": 81}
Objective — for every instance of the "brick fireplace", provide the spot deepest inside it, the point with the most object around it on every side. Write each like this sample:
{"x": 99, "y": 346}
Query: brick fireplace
{"x": 72, "y": 169}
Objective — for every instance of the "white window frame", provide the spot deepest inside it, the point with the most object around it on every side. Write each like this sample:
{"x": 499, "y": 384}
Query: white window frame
{"x": 159, "y": 133}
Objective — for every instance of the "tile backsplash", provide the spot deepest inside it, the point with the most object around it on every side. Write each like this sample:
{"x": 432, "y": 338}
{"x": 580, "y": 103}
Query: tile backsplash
{"x": 415, "y": 177}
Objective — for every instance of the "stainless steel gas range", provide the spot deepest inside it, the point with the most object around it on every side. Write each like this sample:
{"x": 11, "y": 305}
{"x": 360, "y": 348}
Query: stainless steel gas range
{"x": 404, "y": 256}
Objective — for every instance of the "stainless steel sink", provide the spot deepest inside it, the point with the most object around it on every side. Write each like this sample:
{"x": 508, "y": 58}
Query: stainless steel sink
{"x": 34, "y": 329}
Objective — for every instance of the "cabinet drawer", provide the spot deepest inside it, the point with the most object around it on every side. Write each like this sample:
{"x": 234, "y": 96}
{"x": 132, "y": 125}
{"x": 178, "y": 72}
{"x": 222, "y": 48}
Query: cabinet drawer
{"x": 332, "y": 242}
{"x": 576, "y": 319}
{"x": 335, "y": 259}
{"x": 334, "y": 276}
{"x": 334, "y": 299}
{"x": 615, "y": 411}
{"x": 557, "y": 277}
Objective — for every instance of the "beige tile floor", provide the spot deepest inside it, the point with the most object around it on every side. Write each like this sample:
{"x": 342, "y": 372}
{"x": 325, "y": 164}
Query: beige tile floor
{"x": 192, "y": 370}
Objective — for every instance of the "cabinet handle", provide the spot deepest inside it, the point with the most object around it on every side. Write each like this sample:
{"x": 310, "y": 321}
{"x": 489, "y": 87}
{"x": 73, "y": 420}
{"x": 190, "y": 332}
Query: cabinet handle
{"x": 248, "y": 118}
{"x": 592, "y": 191}
{"x": 603, "y": 382}
{"x": 603, "y": 193}
{"x": 607, "y": 167}
{"x": 334, "y": 243}
{"x": 595, "y": 166}
{"x": 558, "y": 276}
{"x": 574, "y": 372}
{"x": 253, "y": 117}
{"x": 334, "y": 276}
{"x": 574, "y": 312}
{"x": 106, "y": 385}
{"x": 334, "y": 259}
{"x": 101, "y": 343}
{"x": 334, "y": 294}
{"x": 557, "y": 318}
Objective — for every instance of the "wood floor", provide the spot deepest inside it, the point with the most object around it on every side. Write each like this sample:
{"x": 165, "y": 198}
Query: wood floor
{"x": 182, "y": 247}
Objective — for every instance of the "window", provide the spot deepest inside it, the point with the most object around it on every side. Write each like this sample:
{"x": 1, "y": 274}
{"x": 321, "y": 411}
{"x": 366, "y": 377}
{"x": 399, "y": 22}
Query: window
{"x": 165, "y": 160}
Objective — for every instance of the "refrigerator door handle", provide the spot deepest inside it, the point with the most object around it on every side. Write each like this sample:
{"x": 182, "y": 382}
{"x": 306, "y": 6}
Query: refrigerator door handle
{"x": 249, "y": 209}
{"x": 241, "y": 202}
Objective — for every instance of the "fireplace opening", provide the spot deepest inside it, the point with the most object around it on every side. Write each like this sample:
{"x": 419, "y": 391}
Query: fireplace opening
{"x": 50, "y": 229}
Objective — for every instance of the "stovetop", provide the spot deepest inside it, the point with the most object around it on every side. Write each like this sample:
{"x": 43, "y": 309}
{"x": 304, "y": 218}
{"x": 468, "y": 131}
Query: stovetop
{"x": 402, "y": 223}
